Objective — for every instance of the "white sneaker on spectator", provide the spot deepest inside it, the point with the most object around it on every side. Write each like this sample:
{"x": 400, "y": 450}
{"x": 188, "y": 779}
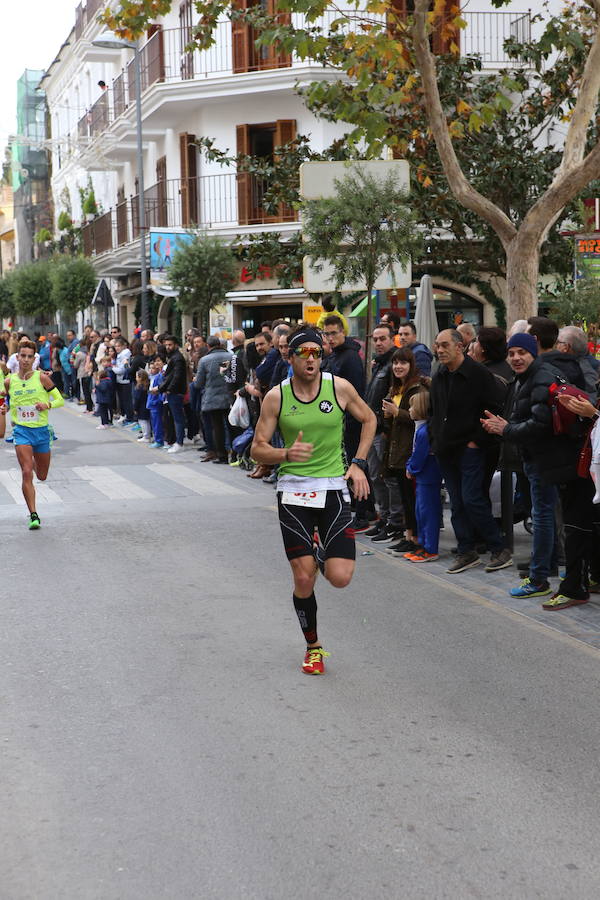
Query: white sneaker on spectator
{"x": 118, "y": 419}
{"x": 176, "y": 448}
{"x": 143, "y": 440}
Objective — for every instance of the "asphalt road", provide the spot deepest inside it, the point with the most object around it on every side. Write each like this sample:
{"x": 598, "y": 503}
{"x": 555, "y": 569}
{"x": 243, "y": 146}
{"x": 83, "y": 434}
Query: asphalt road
{"x": 158, "y": 739}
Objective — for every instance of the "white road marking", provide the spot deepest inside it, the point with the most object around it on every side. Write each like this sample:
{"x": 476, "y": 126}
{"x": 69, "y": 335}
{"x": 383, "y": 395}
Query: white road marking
{"x": 11, "y": 481}
{"x": 111, "y": 483}
{"x": 193, "y": 480}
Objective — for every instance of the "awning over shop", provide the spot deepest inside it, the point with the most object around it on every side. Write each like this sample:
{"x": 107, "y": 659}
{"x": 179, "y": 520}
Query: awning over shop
{"x": 360, "y": 310}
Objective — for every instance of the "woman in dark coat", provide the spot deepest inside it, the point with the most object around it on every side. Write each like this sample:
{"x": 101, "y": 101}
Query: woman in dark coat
{"x": 405, "y": 382}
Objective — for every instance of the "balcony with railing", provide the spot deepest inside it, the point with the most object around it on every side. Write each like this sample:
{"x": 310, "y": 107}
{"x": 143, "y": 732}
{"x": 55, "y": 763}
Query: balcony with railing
{"x": 210, "y": 201}
{"x": 487, "y": 32}
{"x": 97, "y": 236}
{"x": 165, "y": 59}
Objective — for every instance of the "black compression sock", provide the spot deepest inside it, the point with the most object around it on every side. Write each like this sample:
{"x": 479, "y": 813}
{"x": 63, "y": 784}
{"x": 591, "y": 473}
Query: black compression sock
{"x": 306, "y": 610}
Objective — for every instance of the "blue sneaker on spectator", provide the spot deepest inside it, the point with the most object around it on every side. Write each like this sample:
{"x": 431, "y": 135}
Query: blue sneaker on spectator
{"x": 528, "y": 589}
{"x": 155, "y": 446}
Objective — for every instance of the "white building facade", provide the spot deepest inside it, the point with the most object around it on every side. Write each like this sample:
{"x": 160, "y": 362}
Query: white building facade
{"x": 242, "y": 98}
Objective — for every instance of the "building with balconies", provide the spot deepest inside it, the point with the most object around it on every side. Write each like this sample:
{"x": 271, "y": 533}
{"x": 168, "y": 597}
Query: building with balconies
{"x": 243, "y": 98}
{"x": 7, "y": 230}
{"x": 30, "y": 172}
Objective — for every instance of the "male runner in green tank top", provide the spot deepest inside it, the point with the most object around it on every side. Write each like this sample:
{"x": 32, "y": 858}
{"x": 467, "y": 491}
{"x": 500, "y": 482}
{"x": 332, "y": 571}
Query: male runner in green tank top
{"x": 312, "y": 493}
{"x": 31, "y": 393}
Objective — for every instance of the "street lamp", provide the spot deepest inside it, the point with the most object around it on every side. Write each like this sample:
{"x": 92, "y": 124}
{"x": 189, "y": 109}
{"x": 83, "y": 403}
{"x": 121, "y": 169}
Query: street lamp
{"x": 110, "y": 41}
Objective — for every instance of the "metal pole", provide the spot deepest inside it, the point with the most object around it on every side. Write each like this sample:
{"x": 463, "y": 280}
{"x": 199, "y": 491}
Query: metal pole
{"x": 145, "y": 312}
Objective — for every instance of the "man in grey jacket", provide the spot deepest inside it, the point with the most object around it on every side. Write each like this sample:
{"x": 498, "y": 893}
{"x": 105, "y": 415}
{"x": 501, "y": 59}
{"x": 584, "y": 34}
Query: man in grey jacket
{"x": 216, "y": 399}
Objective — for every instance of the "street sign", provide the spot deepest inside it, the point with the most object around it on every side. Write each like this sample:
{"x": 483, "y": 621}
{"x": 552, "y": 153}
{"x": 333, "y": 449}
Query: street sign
{"x": 323, "y": 281}
{"x": 317, "y": 181}
{"x": 317, "y": 178}
{"x": 587, "y": 255}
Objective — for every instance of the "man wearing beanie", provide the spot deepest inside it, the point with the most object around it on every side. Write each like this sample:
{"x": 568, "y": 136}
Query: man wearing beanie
{"x": 545, "y": 456}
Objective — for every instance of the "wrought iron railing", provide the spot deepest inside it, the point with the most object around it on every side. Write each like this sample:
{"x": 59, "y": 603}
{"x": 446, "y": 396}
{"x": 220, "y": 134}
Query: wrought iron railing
{"x": 207, "y": 201}
{"x": 97, "y": 236}
{"x": 487, "y": 32}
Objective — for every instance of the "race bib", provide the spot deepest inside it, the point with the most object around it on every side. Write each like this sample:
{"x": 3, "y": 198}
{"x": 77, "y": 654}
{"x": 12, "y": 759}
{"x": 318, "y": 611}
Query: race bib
{"x": 315, "y": 499}
{"x": 28, "y": 414}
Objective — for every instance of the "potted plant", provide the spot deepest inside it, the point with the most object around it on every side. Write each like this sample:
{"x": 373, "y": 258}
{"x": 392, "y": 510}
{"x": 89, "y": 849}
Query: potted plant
{"x": 90, "y": 207}
{"x": 65, "y": 222}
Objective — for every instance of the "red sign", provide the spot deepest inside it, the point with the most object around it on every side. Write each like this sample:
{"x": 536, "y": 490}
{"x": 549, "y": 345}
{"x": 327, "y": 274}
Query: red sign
{"x": 247, "y": 275}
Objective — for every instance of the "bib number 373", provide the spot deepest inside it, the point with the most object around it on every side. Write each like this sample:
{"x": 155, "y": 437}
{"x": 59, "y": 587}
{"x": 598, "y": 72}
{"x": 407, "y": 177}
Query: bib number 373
{"x": 315, "y": 499}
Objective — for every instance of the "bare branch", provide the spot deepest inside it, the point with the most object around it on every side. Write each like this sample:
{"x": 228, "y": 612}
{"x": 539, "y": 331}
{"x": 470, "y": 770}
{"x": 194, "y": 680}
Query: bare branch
{"x": 460, "y": 186}
{"x": 547, "y": 208}
{"x": 585, "y": 106}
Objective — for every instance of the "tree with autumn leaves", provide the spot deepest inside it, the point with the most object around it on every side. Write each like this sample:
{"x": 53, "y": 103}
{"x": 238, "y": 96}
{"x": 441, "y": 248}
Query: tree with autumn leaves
{"x": 498, "y": 158}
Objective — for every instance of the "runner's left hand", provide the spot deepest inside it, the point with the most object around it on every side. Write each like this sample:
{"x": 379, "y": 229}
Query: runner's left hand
{"x": 42, "y": 406}
{"x": 360, "y": 482}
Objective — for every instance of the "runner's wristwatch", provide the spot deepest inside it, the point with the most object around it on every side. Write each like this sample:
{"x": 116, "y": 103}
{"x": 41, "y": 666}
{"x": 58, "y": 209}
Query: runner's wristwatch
{"x": 361, "y": 463}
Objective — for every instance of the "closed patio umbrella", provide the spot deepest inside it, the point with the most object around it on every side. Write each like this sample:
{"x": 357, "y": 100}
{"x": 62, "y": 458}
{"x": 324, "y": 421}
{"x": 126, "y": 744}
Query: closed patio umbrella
{"x": 426, "y": 321}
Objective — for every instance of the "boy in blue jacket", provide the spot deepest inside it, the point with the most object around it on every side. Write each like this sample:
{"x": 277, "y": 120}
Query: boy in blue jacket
{"x": 155, "y": 403}
{"x": 105, "y": 396}
{"x": 424, "y": 468}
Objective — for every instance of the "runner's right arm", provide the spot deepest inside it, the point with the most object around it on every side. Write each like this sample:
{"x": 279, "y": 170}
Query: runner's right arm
{"x": 262, "y": 451}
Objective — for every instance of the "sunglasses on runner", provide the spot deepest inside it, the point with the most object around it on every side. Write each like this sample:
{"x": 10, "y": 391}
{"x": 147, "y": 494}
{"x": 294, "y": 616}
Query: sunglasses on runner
{"x": 307, "y": 352}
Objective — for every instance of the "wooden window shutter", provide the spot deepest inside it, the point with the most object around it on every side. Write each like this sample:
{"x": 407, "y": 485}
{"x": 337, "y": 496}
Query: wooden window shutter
{"x": 444, "y": 35}
{"x": 400, "y": 12}
{"x": 285, "y": 131}
{"x": 240, "y": 40}
{"x": 244, "y": 179}
{"x": 440, "y": 39}
{"x": 161, "y": 192}
{"x": 186, "y": 61}
{"x": 277, "y": 59}
{"x": 189, "y": 181}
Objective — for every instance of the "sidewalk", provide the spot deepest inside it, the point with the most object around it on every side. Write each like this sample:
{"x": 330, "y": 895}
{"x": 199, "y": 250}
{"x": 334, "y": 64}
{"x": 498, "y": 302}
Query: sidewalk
{"x": 579, "y": 622}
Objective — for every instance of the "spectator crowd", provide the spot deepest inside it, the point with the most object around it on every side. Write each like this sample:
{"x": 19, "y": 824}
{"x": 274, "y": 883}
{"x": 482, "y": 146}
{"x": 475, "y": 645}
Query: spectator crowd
{"x": 453, "y": 420}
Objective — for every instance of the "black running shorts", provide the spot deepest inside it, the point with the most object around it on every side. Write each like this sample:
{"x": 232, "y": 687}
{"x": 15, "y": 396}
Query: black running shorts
{"x": 299, "y": 523}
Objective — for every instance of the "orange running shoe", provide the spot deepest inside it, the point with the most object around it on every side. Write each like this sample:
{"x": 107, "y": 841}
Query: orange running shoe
{"x": 423, "y": 557}
{"x": 313, "y": 661}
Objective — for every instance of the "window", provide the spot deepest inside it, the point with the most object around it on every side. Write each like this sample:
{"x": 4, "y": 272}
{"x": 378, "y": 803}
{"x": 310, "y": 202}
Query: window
{"x": 186, "y": 59}
{"x": 260, "y": 141}
{"x": 246, "y": 56}
{"x": 440, "y": 39}
{"x": 188, "y": 154}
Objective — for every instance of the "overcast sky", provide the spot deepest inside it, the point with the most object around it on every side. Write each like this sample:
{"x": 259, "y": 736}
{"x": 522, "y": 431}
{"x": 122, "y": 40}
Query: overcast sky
{"x": 32, "y": 32}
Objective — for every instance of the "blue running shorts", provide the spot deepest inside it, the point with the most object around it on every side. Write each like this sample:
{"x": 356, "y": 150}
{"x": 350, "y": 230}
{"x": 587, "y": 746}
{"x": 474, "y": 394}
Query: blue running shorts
{"x": 37, "y": 438}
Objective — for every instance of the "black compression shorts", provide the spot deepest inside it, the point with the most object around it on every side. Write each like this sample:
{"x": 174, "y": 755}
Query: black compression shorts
{"x": 299, "y": 523}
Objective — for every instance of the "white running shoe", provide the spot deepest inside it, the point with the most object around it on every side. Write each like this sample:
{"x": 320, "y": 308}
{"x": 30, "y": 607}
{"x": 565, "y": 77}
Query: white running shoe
{"x": 143, "y": 440}
{"x": 176, "y": 448}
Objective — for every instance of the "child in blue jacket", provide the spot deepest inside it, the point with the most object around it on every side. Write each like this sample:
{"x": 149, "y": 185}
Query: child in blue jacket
{"x": 105, "y": 395}
{"x": 155, "y": 402}
{"x": 424, "y": 468}
{"x": 140, "y": 404}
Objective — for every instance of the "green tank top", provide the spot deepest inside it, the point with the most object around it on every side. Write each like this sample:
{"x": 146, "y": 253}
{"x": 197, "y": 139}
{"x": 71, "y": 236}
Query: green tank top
{"x": 23, "y": 397}
{"x": 321, "y": 422}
